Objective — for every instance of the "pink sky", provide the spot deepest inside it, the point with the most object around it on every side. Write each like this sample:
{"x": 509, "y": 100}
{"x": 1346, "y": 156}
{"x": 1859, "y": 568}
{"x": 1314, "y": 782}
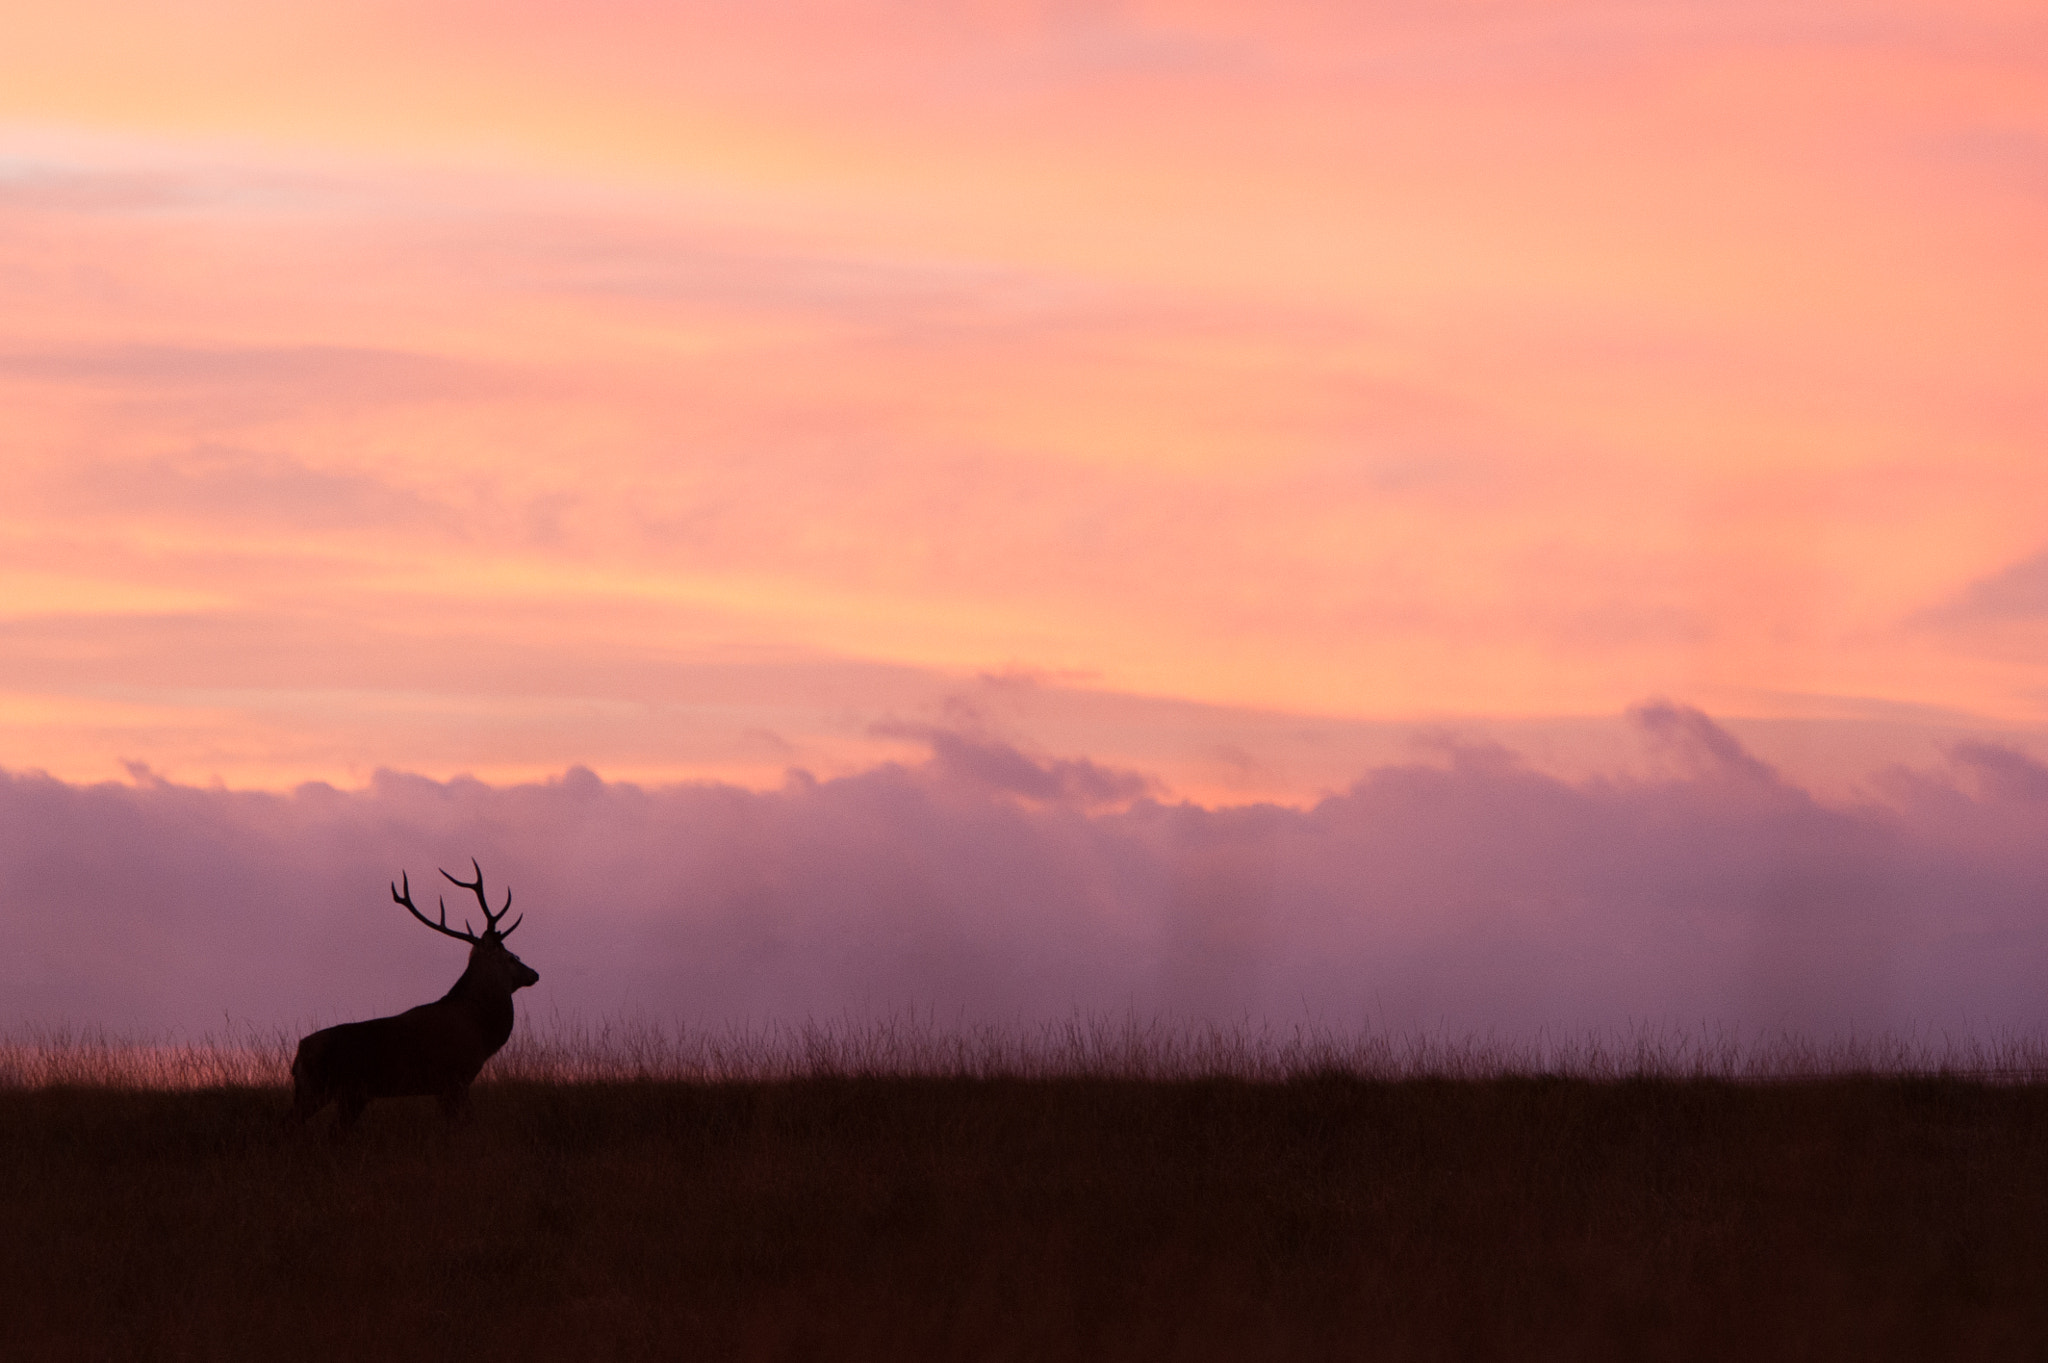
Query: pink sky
{"x": 1242, "y": 398}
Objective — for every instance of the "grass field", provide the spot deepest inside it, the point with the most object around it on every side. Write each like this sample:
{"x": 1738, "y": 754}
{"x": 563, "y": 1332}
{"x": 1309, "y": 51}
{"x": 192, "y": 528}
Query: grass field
{"x": 842, "y": 1214}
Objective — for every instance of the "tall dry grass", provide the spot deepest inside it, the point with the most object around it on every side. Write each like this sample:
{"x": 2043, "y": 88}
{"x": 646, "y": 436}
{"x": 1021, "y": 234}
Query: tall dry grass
{"x": 559, "y": 1050}
{"x": 64, "y": 1057}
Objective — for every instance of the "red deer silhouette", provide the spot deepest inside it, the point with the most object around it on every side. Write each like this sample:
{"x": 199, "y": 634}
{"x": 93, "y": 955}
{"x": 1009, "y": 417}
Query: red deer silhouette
{"x": 434, "y": 1050}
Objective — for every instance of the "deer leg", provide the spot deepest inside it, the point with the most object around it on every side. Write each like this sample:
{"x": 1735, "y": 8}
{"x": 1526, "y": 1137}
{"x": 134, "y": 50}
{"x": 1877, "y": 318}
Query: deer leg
{"x": 350, "y": 1106}
{"x": 455, "y": 1104}
{"x": 309, "y": 1089}
{"x": 306, "y": 1103}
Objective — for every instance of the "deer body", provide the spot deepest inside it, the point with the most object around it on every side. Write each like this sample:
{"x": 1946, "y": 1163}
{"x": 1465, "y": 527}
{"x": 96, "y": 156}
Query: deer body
{"x": 434, "y": 1050}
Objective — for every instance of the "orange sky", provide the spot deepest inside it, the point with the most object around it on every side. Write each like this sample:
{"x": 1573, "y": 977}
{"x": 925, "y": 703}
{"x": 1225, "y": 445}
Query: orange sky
{"x": 689, "y": 389}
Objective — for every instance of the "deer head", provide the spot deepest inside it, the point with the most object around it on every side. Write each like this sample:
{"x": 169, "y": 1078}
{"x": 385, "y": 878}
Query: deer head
{"x": 490, "y": 960}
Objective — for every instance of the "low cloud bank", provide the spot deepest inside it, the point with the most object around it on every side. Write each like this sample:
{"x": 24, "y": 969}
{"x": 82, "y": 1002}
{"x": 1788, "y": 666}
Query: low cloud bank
{"x": 1466, "y": 892}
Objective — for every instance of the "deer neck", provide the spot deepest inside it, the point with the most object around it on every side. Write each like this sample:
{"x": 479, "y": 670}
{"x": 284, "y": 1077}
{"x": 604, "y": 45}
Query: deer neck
{"x": 490, "y": 1003}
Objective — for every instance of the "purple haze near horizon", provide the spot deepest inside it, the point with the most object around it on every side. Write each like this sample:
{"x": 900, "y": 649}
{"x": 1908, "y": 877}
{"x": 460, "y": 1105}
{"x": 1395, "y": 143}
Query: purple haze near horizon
{"x": 984, "y": 886}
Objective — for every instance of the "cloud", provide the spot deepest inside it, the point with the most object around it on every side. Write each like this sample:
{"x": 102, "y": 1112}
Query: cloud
{"x": 708, "y": 273}
{"x": 2012, "y": 160}
{"x": 1468, "y": 892}
{"x": 999, "y": 768}
{"x": 1697, "y": 740}
{"x": 2018, "y": 592}
{"x": 2005, "y": 774}
{"x": 28, "y": 187}
{"x": 328, "y": 374}
{"x": 221, "y": 485}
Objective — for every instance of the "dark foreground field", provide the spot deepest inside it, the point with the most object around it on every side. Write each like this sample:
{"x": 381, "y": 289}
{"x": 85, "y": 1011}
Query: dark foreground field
{"x": 1041, "y": 1219}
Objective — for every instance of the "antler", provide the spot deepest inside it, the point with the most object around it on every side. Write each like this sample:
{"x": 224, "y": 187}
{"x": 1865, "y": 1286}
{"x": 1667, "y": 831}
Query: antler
{"x": 490, "y": 919}
{"x": 405, "y": 898}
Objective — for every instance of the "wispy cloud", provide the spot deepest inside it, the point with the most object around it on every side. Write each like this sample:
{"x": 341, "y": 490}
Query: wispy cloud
{"x": 232, "y": 488}
{"x": 999, "y": 768}
{"x": 2013, "y": 594}
{"x": 34, "y": 187}
{"x": 337, "y": 373}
